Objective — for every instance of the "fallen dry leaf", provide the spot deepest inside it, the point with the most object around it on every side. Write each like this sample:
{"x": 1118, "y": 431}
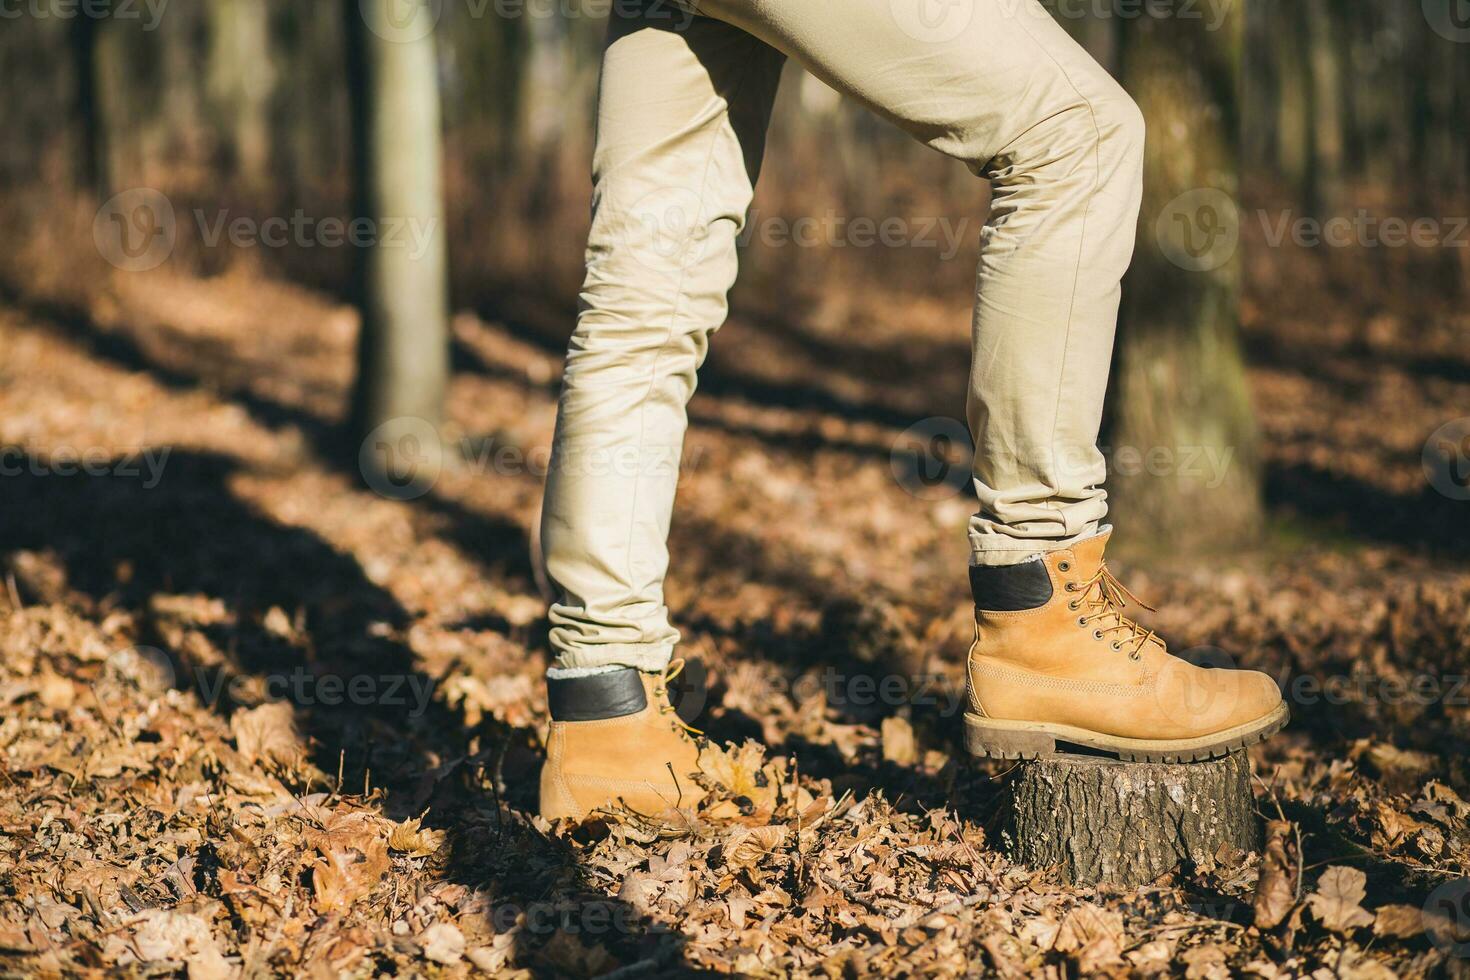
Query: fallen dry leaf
{"x": 408, "y": 836}
{"x": 747, "y": 845}
{"x": 1356, "y": 965}
{"x": 899, "y": 745}
{"x": 341, "y": 877}
{"x": 1093, "y": 935}
{"x": 1337, "y": 901}
{"x": 1276, "y": 885}
{"x": 740, "y": 771}
{"x": 1398, "y": 921}
{"x": 443, "y": 943}
{"x": 1205, "y": 962}
{"x": 185, "y": 938}
{"x": 267, "y": 733}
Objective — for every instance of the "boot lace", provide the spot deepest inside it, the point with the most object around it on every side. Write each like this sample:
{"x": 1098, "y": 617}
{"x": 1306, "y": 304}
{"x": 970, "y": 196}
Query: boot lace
{"x": 1105, "y": 599}
{"x": 666, "y": 707}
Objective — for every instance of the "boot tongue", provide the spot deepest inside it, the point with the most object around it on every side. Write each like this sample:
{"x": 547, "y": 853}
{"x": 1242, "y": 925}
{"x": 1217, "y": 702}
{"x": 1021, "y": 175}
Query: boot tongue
{"x": 1089, "y": 551}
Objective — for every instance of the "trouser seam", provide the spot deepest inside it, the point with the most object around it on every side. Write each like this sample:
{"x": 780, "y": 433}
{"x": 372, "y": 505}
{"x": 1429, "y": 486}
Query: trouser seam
{"x": 1054, "y": 486}
{"x": 678, "y": 302}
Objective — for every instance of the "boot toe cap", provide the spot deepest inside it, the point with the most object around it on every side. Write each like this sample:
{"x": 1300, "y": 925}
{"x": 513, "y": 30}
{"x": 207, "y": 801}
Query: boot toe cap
{"x": 1201, "y": 701}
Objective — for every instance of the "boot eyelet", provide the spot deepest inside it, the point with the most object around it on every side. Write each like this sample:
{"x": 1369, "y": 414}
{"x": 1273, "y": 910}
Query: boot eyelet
{"x": 1064, "y": 566}
{"x": 1116, "y": 646}
{"x": 1134, "y": 656}
{"x": 1097, "y": 634}
{"x": 1072, "y": 605}
{"x": 1081, "y": 621}
{"x": 1071, "y": 586}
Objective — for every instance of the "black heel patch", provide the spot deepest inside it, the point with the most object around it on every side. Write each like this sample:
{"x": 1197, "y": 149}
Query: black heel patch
{"x": 1010, "y": 588}
{"x": 596, "y": 696}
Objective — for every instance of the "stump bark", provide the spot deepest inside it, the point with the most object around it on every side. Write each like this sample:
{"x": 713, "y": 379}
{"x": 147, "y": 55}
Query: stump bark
{"x": 1099, "y": 820}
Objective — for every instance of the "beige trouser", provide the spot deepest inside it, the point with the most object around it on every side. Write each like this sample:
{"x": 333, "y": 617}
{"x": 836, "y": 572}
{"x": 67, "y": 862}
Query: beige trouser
{"x": 681, "y": 119}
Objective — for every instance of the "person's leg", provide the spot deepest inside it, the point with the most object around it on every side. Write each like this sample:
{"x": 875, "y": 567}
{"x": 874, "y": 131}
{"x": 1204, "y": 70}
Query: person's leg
{"x": 681, "y": 119}
{"x": 1000, "y": 86}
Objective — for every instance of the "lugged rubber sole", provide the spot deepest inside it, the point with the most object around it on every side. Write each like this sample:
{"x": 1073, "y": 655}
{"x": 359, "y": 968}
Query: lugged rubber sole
{"x": 993, "y": 738}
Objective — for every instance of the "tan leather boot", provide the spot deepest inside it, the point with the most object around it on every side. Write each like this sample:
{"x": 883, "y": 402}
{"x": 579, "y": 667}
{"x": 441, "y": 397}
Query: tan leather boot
{"x": 616, "y": 741}
{"x": 1055, "y": 660}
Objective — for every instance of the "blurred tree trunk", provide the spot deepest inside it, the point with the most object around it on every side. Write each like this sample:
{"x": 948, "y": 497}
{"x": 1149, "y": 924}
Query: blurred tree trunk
{"x": 241, "y": 79}
{"x": 401, "y": 279}
{"x": 92, "y": 161}
{"x": 311, "y": 141}
{"x": 1324, "y": 171}
{"x": 1352, "y": 28}
{"x": 1294, "y": 95}
{"x": 1261, "y": 91}
{"x": 1097, "y": 33}
{"x": 99, "y": 47}
{"x": 1179, "y": 397}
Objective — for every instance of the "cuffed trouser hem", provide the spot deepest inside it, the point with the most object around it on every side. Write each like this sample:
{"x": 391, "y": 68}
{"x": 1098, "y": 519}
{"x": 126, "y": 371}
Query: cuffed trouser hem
{"x": 1001, "y": 551}
{"x": 652, "y": 659}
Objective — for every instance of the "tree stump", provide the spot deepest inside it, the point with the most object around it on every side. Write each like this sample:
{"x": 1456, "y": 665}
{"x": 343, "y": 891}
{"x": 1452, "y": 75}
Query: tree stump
{"x": 1127, "y": 823}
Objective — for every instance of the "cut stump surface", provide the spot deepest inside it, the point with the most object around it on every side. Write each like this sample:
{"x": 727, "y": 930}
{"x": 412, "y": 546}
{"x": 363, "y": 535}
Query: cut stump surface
{"x": 1127, "y": 823}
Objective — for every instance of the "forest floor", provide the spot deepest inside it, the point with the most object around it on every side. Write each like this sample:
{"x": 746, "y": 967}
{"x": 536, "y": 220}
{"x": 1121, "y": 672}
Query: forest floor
{"x": 257, "y": 719}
